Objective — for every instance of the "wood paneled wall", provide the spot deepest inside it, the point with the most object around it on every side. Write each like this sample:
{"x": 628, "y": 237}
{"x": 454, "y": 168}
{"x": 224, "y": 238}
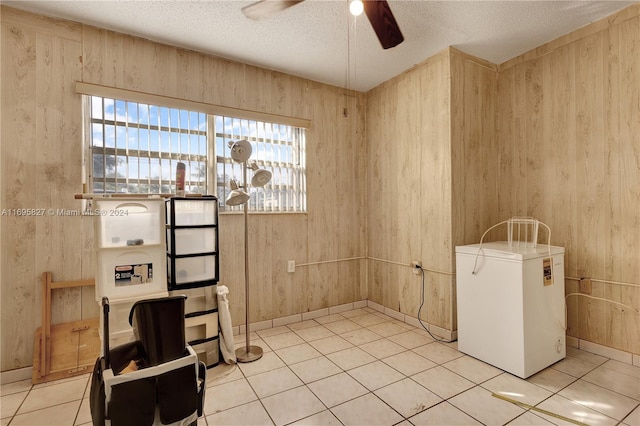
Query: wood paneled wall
{"x": 41, "y": 168}
{"x": 569, "y": 131}
{"x": 432, "y": 178}
{"x": 451, "y": 147}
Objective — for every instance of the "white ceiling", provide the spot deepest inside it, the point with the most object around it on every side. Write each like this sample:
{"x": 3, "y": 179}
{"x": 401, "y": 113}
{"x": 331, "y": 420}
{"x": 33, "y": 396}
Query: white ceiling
{"x": 320, "y": 40}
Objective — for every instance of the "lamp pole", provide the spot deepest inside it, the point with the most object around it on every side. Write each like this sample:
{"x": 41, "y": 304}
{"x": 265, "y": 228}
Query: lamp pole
{"x": 248, "y": 353}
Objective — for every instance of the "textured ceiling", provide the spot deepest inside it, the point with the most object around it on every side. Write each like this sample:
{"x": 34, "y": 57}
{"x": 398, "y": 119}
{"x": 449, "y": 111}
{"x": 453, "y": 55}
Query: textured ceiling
{"x": 320, "y": 40}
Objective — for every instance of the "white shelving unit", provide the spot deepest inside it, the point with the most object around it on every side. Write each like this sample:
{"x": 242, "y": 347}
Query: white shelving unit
{"x": 130, "y": 258}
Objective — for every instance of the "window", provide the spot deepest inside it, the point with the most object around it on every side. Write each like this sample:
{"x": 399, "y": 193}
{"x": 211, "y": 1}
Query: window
{"x": 135, "y": 147}
{"x": 277, "y": 148}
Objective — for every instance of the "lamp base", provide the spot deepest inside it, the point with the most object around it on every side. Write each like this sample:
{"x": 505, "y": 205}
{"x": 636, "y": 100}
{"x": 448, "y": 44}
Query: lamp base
{"x": 253, "y": 354}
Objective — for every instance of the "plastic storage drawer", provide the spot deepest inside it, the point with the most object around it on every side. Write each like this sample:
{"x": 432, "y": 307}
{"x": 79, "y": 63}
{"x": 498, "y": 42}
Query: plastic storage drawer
{"x": 127, "y": 272}
{"x": 208, "y": 351}
{"x": 192, "y": 211}
{"x": 199, "y": 300}
{"x": 201, "y": 327}
{"x": 192, "y": 240}
{"x": 192, "y": 270}
{"x": 123, "y": 222}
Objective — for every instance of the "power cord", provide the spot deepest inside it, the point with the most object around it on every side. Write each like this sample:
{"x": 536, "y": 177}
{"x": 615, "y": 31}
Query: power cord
{"x": 437, "y": 339}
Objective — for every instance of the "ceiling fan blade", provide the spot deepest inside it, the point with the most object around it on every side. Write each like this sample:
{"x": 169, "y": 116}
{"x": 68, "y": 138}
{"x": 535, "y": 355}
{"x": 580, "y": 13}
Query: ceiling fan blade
{"x": 383, "y": 23}
{"x": 266, "y": 8}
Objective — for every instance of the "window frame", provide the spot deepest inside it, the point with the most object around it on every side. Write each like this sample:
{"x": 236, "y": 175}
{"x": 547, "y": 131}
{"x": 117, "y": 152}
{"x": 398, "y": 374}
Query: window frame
{"x": 211, "y": 110}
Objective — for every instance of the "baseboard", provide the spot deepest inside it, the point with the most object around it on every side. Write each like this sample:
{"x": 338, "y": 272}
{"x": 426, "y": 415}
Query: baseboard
{"x": 585, "y": 345}
{"x": 16, "y": 375}
{"x": 414, "y": 321}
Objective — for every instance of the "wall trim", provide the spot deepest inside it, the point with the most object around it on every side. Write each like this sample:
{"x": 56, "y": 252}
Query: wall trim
{"x": 87, "y": 88}
{"x": 16, "y": 375}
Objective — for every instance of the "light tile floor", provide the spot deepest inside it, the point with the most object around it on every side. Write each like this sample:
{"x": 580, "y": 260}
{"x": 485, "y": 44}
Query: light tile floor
{"x": 361, "y": 367}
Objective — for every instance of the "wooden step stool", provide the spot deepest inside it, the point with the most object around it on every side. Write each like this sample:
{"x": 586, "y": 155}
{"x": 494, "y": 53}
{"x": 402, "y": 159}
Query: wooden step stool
{"x": 67, "y": 349}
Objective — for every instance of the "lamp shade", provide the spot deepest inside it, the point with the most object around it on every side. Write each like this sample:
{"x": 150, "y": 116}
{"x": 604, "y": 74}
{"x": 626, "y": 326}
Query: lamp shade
{"x": 240, "y": 150}
{"x": 237, "y": 196}
{"x": 261, "y": 177}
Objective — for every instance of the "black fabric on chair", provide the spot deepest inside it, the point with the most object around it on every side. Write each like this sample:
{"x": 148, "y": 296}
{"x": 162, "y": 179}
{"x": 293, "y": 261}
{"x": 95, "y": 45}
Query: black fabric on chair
{"x": 133, "y": 403}
{"x": 174, "y": 391}
{"x": 159, "y": 325}
{"x": 202, "y": 374}
{"x": 96, "y": 395}
{"x": 177, "y": 394}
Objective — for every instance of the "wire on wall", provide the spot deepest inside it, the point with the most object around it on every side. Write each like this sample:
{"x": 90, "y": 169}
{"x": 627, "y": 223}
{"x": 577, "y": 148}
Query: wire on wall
{"x": 422, "y": 271}
{"x": 330, "y": 261}
{"x": 604, "y": 281}
{"x": 631, "y": 308}
{"x": 437, "y": 339}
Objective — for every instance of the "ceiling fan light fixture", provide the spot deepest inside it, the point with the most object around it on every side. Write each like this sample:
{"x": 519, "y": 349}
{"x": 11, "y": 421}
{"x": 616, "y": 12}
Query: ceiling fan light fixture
{"x": 356, "y": 7}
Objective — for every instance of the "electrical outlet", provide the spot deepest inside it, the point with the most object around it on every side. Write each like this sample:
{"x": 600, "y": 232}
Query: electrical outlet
{"x": 585, "y": 285}
{"x": 417, "y": 267}
{"x": 291, "y": 266}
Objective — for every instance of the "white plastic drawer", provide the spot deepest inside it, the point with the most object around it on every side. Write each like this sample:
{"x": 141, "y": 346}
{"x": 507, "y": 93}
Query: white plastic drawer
{"x": 188, "y": 212}
{"x": 208, "y": 351}
{"x": 199, "y": 299}
{"x": 124, "y": 273}
{"x": 201, "y": 327}
{"x": 193, "y": 269}
{"x": 192, "y": 240}
{"x": 124, "y": 222}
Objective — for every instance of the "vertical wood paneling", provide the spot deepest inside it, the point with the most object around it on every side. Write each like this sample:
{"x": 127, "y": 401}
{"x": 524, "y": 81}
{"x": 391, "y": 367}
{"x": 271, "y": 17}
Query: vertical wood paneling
{"x": 560, "y": 151}
{"x": 257, "y": 89}
{"x": 189, "y": 75}
{"x": 583, "y": 165}
{"x": 627, "y": 171}
{"x": 375, "y": 180}
{"x": 505, "y": 123}
{"x": 58, "y": 139}
{"x": 260, "y": 267}
{"x": 42, "y": 114}
{"x": 437, "y": 183}
{"x": 350, "y": 162}
{"x": 322, "y": 217}
{"x": 591, "y": 149}
{"x": 288, "y": 288}
{"x": 410, "y": 175}
{"x": 19, "y": 282}
{"x": 533, "y": 126}
{"x": 223, "y": 82}
{"x": 407, "y": 201}
{"x": 231, "y": 242}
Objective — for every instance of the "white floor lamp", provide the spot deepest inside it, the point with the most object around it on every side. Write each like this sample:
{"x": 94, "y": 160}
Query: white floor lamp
{"x": 240, "y": 153}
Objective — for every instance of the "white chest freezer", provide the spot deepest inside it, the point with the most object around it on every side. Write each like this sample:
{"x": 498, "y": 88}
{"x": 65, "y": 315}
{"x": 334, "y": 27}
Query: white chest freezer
{"x": 511, "y": 309}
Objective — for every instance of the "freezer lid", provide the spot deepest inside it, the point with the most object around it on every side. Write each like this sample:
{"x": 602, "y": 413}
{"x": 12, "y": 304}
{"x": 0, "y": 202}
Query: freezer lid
{"x": 501, "y": 249}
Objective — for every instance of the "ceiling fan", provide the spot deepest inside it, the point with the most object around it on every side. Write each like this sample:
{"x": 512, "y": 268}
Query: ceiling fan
{"x": 378, "y": 12}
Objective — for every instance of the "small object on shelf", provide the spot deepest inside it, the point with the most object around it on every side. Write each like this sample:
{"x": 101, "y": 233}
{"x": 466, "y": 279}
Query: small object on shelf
{"x": 135, "y": 242}
{"x": 180, "y": 175}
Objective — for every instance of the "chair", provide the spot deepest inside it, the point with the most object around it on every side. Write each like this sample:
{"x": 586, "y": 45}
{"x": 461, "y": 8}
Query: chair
{"x": 156, "y": 379}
